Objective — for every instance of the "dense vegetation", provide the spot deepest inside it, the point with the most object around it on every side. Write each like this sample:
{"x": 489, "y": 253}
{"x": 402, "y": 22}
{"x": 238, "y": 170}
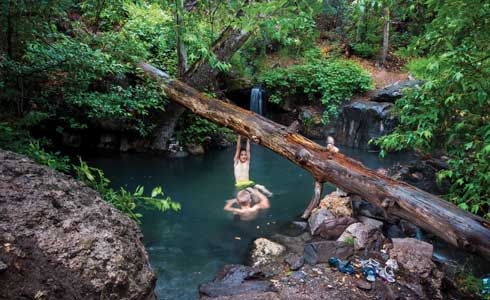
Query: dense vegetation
{"x": 68, "y": 65}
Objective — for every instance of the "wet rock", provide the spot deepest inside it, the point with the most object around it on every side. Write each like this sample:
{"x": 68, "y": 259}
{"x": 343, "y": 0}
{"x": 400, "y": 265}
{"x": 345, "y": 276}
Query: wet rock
{"x": 361, "y": 121}
{"x": 58, "y": 236}
{"x": 195, "y": 149}
{"x": 338, "y": 204}
{"x": 332, "y": 228}
{"x": 265, "y": 251}
{"x": 294, "y": 261}
{"x": 249, "y": 296}
{"x": 413, "y": 255}
{"x": 108, "y": 141}
{"x": 365, "y": 236}
{"x": 321, "y": 251}
{"x": 394, "y": 91}
{"x": 373, "y": 222}
{"x": 301, "y": 225}
{"x": 236, "y": 280}
{"x": 318, "y": 217}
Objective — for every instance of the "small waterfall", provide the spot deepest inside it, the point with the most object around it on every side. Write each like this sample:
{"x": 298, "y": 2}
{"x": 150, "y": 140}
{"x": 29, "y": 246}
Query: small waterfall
{"x": 256, "y": 104}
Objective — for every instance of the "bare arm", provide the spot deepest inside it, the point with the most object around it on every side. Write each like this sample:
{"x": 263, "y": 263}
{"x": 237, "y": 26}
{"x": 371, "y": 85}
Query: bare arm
{"x": 229, "y": 206}
{"x": 248, "y": 149}
{"x": 238, "y": 145}
{"x": 263, "y": 200}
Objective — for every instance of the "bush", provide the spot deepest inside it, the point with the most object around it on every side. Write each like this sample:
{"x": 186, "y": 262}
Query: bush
{"x": 194, "y": 129}
{"x": 365, "y": 50}
{"x": 332, "y": 81}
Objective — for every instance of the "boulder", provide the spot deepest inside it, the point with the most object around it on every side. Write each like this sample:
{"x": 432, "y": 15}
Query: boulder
{"x": 265, "y": 251}
{"x": 236, "y": 282}
{"x": 361, "y": 121}
{"x": 394, "y": 91}
{"x": 294, "y": 261}
{"x": 321, "y": 251}
{"x": 413, "y": 255}
{"x": 332, "y": 228}
{"x": 337, "y": 203}
{"x": 369, "y": 221}
{"x": 365, "y": 236}
{"x": 59, "y": 238}
{"x": 195, "y": 149}
{"x": 318, "y": 217}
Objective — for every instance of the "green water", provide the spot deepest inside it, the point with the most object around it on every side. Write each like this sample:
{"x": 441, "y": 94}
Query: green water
{"x": 187, "y": 248}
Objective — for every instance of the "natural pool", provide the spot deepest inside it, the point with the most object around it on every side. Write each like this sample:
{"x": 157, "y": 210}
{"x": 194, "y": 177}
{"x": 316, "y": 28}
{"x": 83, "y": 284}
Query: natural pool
{"x": 189, "y": 247}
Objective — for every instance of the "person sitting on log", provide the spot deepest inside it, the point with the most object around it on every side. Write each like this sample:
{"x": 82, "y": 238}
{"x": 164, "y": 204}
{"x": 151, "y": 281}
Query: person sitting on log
{"x": 247, "y": 209}
{"x": 241, "y": 163}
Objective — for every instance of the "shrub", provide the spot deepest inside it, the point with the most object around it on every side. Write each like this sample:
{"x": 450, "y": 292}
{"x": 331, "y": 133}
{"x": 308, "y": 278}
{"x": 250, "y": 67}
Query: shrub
{"x": 332, "y": 81}
{"x": 365, "y": 50}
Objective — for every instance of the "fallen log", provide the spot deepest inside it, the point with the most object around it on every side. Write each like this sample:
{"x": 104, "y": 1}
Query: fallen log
{"x": 459, "y": 228}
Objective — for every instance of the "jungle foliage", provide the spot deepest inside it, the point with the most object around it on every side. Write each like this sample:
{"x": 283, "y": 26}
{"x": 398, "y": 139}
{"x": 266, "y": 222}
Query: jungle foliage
{"x": 69, "y": 64}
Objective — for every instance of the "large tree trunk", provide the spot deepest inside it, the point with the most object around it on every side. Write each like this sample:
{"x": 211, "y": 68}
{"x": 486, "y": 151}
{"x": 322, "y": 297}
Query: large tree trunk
{"x": 457, "y": 227}
{"x": 201, "y": 76}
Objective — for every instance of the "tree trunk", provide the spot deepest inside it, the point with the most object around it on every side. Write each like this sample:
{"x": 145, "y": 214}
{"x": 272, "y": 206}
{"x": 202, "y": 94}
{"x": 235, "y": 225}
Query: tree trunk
{"x": 202, "y": 76}
{"x": 457, "y": 227}
{"x": 386, "y": 37}
{"x": 181, "y": 48}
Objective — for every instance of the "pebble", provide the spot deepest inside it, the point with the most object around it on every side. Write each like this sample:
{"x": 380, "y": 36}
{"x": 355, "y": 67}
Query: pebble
{"x": 3, "y": 266}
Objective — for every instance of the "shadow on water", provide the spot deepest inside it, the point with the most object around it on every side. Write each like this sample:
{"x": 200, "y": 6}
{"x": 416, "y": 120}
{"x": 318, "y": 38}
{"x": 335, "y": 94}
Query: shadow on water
{"x": 189, "y": 247}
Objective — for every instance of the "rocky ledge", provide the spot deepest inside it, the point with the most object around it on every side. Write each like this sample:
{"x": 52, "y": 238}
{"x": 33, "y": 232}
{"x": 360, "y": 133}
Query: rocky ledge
{"x": 60, "y": 240}
{"x": 351, "y": 230}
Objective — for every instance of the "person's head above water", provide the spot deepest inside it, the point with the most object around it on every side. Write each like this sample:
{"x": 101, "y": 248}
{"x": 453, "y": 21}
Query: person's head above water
{"x": 244, "y": 198}
{"x": 243, "y": 156}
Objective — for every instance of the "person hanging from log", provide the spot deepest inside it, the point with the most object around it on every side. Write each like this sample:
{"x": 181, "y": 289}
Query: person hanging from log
{"x": 250, "y": 196}
{"x": 241, "y": 164}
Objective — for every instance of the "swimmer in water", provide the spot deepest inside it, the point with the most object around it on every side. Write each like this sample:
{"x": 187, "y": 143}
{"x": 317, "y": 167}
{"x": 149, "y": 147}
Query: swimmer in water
{"x": 244, "y": 206}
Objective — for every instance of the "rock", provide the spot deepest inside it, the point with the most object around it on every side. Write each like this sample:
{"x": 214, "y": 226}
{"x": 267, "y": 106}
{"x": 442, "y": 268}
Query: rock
{"x": 178, "y": 154}
{"x": 195, "y": 149}
{"x": 422, "y": 174}
{"x": 249, "y": 296}
{"x": 363, "y": 285}
{"x": 369, "y": 221}
{"x": 365, "y": 236}
{"x": 294, "y": 261}
{"x": 3, "y": 266}
{"x": 70, "y": 139}
{"x": 293, "y": 244}
{"x": 332, "y": 228}
{"x": 337, "y": 204}
{"x": 364, "y": 208}
{"x": 300, "y": 225}
{"x": 318, "y": 217}
{"x": 265, "y": 251}
{"x": 413, "y": 255}
{"x": 59, "y": 237}
{"x": 108, "y": 141}
{"x": 394, "y": 91}
{"x": 310, "y": 117}
{"x": 236, "y": 280}
{"x": 320, "y": 252}
{"x": 394, "y": 232}
{"x": 361, "y": 121}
